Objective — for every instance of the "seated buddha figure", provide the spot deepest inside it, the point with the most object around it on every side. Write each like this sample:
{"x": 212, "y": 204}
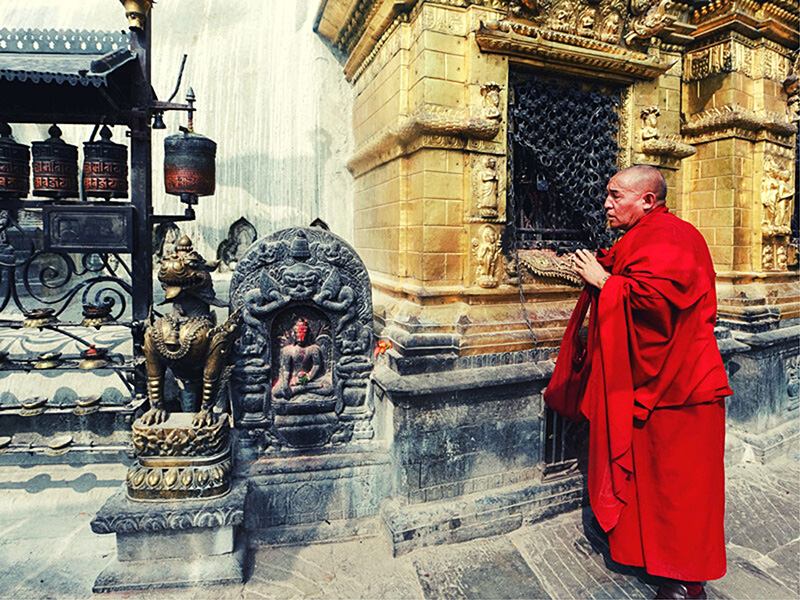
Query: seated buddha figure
{"x": 301, "y": 369}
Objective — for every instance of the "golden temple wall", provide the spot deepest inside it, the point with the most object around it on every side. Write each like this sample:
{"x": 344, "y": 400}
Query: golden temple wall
{"x": 702, "y": 99}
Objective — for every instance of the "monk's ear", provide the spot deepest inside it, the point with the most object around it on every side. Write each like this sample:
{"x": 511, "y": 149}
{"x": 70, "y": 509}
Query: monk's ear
{"x": 649, "y": 201}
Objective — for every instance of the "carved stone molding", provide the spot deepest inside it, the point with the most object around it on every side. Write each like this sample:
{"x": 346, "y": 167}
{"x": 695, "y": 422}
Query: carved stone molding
{"x": 653, "y": 20}
{"x": 121, "y": 516}
{"x": 546, "y": 263}
{"x": 427, "y": 120}
{"x": 733, "y": 119}
{"x": 559, "y": 49}
{"x": 670, "y": 146}
{"x": 653, "y": 144}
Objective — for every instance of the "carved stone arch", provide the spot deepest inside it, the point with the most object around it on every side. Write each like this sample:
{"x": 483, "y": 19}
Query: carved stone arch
{"x": 165, "y": 237}
{"x": 311, "y": 275}
{"x": 241, "y": 234}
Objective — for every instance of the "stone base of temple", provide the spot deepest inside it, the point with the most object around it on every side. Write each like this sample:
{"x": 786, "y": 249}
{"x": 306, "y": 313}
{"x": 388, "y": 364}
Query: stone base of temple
{"x": 489, "y": 513}
{"x": 173, "y": 543}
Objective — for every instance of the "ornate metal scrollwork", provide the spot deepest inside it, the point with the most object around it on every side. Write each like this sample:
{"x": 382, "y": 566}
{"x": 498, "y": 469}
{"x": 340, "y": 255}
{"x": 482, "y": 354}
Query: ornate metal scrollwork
{"x": 31, "y": 278}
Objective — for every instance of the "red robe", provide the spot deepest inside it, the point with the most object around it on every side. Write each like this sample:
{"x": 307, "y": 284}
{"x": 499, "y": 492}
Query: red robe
{"x": 654, "y": 400}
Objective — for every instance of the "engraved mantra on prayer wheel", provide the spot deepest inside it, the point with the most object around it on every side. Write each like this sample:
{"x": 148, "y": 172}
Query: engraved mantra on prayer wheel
{"x": 189, "y": 164}
{"x": 105, "y": 167}
{"x": 55, "y": 167}
{"x": 15, "y": 170}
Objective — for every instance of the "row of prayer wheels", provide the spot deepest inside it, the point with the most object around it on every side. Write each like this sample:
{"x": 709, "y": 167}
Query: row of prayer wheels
{"x": 189, "y": 166}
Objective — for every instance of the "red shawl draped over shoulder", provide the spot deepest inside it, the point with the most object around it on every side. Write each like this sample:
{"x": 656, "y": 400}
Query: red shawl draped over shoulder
{"x": 652, "y": 345}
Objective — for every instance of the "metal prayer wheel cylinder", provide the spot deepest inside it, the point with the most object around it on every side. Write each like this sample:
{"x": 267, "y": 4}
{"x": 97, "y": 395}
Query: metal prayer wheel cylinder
{"x": 55, "y": 167}
{"x": 15, "y": 170}
{"x": 189, "y": 165}
{"x": 105, "y": 167}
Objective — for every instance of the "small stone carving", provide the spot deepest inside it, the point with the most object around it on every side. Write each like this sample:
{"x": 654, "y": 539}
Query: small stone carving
{"x": 654, "y": 20}
{"x": 586, "y": 22}
{"x": 165, "y": 239}
{"x": 791, "y": 85}
{"x": 562, "y": 19}
{"x": 240, "y": 235}
{"x": 302, "y": 368}
{"x": 777, "y": 196}
{"x": 671, "y": 146}
{"x": 611, "y": 28}
{"x": 487, "y": 196}
{"x": 780, "y": 257}
{"x": 305, "y": 353}
{"x": 649, "y": 118}
{"x": 793, "y": 380}
{"x": 491, "y": 100}
{"x": 486, "y": 249}
{"x": 768, "y": 257}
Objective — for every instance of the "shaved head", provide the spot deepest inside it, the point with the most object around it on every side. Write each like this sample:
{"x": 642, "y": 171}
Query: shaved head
{"x": 646, "y": 179}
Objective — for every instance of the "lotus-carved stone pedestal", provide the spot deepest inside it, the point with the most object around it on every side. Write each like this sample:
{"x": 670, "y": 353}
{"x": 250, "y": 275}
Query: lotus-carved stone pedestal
{"x": 176, "y": 518}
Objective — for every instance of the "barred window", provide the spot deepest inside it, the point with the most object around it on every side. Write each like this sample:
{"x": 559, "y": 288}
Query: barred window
{"x": 563, "y": 149}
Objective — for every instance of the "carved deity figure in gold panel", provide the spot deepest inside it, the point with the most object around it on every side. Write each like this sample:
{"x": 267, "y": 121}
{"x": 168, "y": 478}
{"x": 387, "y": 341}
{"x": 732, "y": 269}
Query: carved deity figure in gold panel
{"x": 487, "y": 198}
{"x": 776, "y": 197}
{"x": 486, "y": 249}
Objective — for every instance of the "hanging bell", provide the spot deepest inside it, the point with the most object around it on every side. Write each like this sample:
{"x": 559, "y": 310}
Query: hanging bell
{"x": 15, "y": 172}
{"x": 105, "y": 167}
{"x": 55, "y": 167}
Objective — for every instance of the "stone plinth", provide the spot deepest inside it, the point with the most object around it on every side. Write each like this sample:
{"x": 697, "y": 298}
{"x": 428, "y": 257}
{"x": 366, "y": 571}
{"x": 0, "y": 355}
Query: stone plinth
{"x": 173, "y": 544}
{"x": 325, "y": 496}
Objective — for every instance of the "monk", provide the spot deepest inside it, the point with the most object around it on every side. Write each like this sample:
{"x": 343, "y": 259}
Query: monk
{"x": 654, "y": 390}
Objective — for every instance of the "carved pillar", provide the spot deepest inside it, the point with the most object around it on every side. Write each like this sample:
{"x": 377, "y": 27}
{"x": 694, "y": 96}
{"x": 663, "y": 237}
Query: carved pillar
{"x": 741, "y": 181}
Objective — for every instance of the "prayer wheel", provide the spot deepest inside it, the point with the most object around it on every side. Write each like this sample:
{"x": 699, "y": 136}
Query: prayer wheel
{"x": 55, "y": 167}
{"x": 189, "y": 165}
{"x": 15, "y": 171}
{"x": 105, "y": 167}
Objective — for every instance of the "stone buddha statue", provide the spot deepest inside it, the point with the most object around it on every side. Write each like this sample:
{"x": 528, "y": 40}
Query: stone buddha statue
{"x": 302, "y": 370}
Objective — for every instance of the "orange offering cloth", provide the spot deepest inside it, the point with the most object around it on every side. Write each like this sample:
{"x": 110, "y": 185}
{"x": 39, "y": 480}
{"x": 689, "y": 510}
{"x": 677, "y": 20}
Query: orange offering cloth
{"x": 656, "y": 479}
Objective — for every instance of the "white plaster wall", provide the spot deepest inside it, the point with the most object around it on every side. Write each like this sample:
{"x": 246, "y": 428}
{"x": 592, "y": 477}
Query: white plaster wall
{"x": 270, "y": 93}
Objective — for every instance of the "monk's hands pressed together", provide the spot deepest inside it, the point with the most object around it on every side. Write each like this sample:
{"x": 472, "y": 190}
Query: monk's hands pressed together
{"x": 585, "y": 264}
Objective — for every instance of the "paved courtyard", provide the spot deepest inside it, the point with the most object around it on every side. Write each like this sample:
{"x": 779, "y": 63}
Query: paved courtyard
{"x": 48, "y": 550}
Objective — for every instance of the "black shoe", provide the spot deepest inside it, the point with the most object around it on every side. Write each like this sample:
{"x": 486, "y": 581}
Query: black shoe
{"x": 675, "y": 590}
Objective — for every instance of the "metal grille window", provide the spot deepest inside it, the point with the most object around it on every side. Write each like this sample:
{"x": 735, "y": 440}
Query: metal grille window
{"x": 563, "y": 145}
{"x": 565, "y": 443}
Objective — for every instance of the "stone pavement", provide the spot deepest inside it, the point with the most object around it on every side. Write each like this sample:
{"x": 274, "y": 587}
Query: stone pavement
{"x": 48, "y": 551}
